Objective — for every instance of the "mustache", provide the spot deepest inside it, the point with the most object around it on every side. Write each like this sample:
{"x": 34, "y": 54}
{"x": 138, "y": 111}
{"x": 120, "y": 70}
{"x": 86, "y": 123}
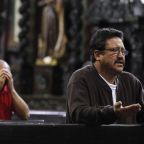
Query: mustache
{"x": 121, "y": 61}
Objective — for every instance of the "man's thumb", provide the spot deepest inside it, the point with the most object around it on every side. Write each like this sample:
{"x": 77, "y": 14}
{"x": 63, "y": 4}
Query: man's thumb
{"x": 118, "y": 105}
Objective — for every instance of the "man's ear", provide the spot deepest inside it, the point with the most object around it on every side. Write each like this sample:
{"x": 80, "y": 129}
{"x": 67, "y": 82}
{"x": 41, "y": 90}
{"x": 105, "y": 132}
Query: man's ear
{"x": 98, "y": 55}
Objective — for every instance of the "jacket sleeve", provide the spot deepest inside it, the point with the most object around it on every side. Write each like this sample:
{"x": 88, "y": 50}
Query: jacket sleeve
{"x": 140, "y": 114}
{"x": 81, "y": 110}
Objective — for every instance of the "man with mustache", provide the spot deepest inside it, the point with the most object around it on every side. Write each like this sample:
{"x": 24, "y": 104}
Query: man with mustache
{"x": 103, "y": 93}
{"x": 10, "y": 101}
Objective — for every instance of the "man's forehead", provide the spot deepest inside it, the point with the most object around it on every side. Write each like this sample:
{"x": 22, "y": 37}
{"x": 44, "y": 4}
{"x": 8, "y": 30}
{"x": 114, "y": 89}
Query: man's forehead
{"x": 114, "y": 41}
{"x": 4, "y": 65}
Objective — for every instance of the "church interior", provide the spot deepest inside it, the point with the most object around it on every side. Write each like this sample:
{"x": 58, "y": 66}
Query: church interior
{"x": 44, "y": 41}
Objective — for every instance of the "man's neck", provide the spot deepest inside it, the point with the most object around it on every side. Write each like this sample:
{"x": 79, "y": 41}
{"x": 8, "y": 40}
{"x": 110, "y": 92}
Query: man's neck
{"x": 111, "y": 78}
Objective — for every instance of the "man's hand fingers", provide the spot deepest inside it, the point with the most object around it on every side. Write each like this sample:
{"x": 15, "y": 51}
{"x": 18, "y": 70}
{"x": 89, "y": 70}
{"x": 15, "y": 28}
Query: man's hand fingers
{"x": 133, "y": 108}
{"x": 127, "y": 110}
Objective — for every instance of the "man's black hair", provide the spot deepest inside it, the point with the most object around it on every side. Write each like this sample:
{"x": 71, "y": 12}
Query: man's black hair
{"x": 99, "y": 37}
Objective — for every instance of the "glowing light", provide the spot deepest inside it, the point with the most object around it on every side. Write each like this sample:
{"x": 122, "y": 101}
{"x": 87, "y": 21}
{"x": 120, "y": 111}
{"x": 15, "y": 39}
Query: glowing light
{"x": 47, "y": 59}
{"x": 142, "y": 1}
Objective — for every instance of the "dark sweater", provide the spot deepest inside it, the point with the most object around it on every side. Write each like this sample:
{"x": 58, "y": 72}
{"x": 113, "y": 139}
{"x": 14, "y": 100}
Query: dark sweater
{"x": 89, "y": 98}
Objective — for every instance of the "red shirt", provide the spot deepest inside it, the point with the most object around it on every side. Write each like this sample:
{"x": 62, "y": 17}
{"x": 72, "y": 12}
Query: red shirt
{"x": 5, "y": 104}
